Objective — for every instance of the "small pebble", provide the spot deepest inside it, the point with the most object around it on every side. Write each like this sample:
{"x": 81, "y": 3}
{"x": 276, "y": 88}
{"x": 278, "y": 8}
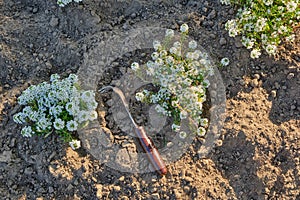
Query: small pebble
{"x": 35, "y": 10}
{"x": 290, "y": 76}
{"x": 117, "y": 188}
{"x": 94, "y": 179}
{"x": 254, "y": 82}
{"x": 50, "y": 189}
{"x": 54, "y": 22}
{"x": 122, "y": 178}
{"x": 155, "y": 196}
{"x": 273, "y": 93}
{"x": 169, "y": 144}
{"x": 133, "y": 15}
{"x": 284, "y": 87}
{"x": 212, "y": 14}
{"x": 222, "y": 41}
{"x": 212, "y": 35}
{"x": 186, "y": 189}
{"x": 177, "y": 193}
{"x": 238, "y": 43}
{"x": 256, "y": 76}
{"x": 241, "y": 82}
{"x": 188, "y": 178}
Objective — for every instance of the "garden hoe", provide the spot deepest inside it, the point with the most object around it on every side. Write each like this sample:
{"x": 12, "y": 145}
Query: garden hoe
{"x": 145, "y": 141}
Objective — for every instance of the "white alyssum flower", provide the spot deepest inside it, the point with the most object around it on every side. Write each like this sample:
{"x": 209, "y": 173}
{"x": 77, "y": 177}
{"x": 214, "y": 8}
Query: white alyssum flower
{"x": 264, "y": 39}
{"x": 135, "y": 66}
{"x": 189, "y": 55}
{"x": 175, "y": 50}
{"x": 59, "y": 124}
{"x": 155, "y": 56}
{"x": 193, "y": 44}
{"x": 183, "y": 114}
{"x": 226, "y": 2}
{"x": 291, "y": 6}
{"x": 27, "y": 131}
{"x": 282, "y": 29}
{"x": 157, "y": 45}
{"x": 184, "y": 28}
{"x": 19, "y": 118}
{"x": 54, "y": 77}
{"x": 268, "y": 2}
{"x": 56, "y": 110}
{"x": 271, "y": 49}
{"x": 163, "y": 53}
{"x": 44, "y": 123}
{"x": 63, "y": 3}
{"x": 93, "y": 115}
{"x": 72, "y": 108}
{"x": 83, "y": 116}
{"x": 169, "y": 33}
{"x": 291, "y": 38}
{"x": 72, "y": 125}
{"x": 177, "y": 44}
{"x": 247, "y": 42}
{"x": 161, "y": 109}
{"x": 75, "y": 144}
{"x": 225, "y": 61}
{"x": 204, "y": 122}
{"x": 232, "y": 27}
{"x": 175, "y": 127}
{"x": 255, "y": 53}
{"x": 206, "y": 83}
{"x": 201, "y": 131}
{"x": 34, "y": 116}
{"x": 248, "y": 26}
{"x": 260, "y": 24}
{"x": 182, "y": 134}
{"x": 139, "y": 96}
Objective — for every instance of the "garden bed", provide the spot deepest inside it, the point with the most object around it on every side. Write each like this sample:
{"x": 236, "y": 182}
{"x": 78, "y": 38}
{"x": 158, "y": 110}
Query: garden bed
{"x": 255, "y": 156}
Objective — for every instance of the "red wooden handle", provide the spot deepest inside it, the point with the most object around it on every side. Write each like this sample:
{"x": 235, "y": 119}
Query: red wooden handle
{"x": 151, "y": 151}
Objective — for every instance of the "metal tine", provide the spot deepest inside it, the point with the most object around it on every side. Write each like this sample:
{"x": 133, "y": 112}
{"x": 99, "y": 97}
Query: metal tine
{"x": 106, "y": 88}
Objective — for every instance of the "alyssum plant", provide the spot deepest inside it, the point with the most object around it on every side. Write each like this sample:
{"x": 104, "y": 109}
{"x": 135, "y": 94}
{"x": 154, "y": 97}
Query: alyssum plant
{"x": 57, "y": 107}
{"x": 264, "y": 24}
{"x": 63, "y": 3}
{"x": 179, "y": 71}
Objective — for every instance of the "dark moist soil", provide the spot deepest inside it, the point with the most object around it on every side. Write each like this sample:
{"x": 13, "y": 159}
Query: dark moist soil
{"x": 257, "y": 156}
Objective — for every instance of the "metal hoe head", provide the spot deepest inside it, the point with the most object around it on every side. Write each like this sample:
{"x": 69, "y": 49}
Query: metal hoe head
{"x": 106, "y": 88}
{"x": 121, "y": 95}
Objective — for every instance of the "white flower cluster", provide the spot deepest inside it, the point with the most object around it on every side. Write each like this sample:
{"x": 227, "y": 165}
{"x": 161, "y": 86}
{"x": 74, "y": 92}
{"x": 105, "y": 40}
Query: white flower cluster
{"x": 63, "y": 3}
{"x": 181, "y": 74}
{"x": 58, "y": 105}
{"x": 225, "y": 62}
{"x": 226, "y": 2}
{"x": 264, "y": 24}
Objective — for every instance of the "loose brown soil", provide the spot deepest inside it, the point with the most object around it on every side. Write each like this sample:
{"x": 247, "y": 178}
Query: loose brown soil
{"x": 257, "y": 156}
